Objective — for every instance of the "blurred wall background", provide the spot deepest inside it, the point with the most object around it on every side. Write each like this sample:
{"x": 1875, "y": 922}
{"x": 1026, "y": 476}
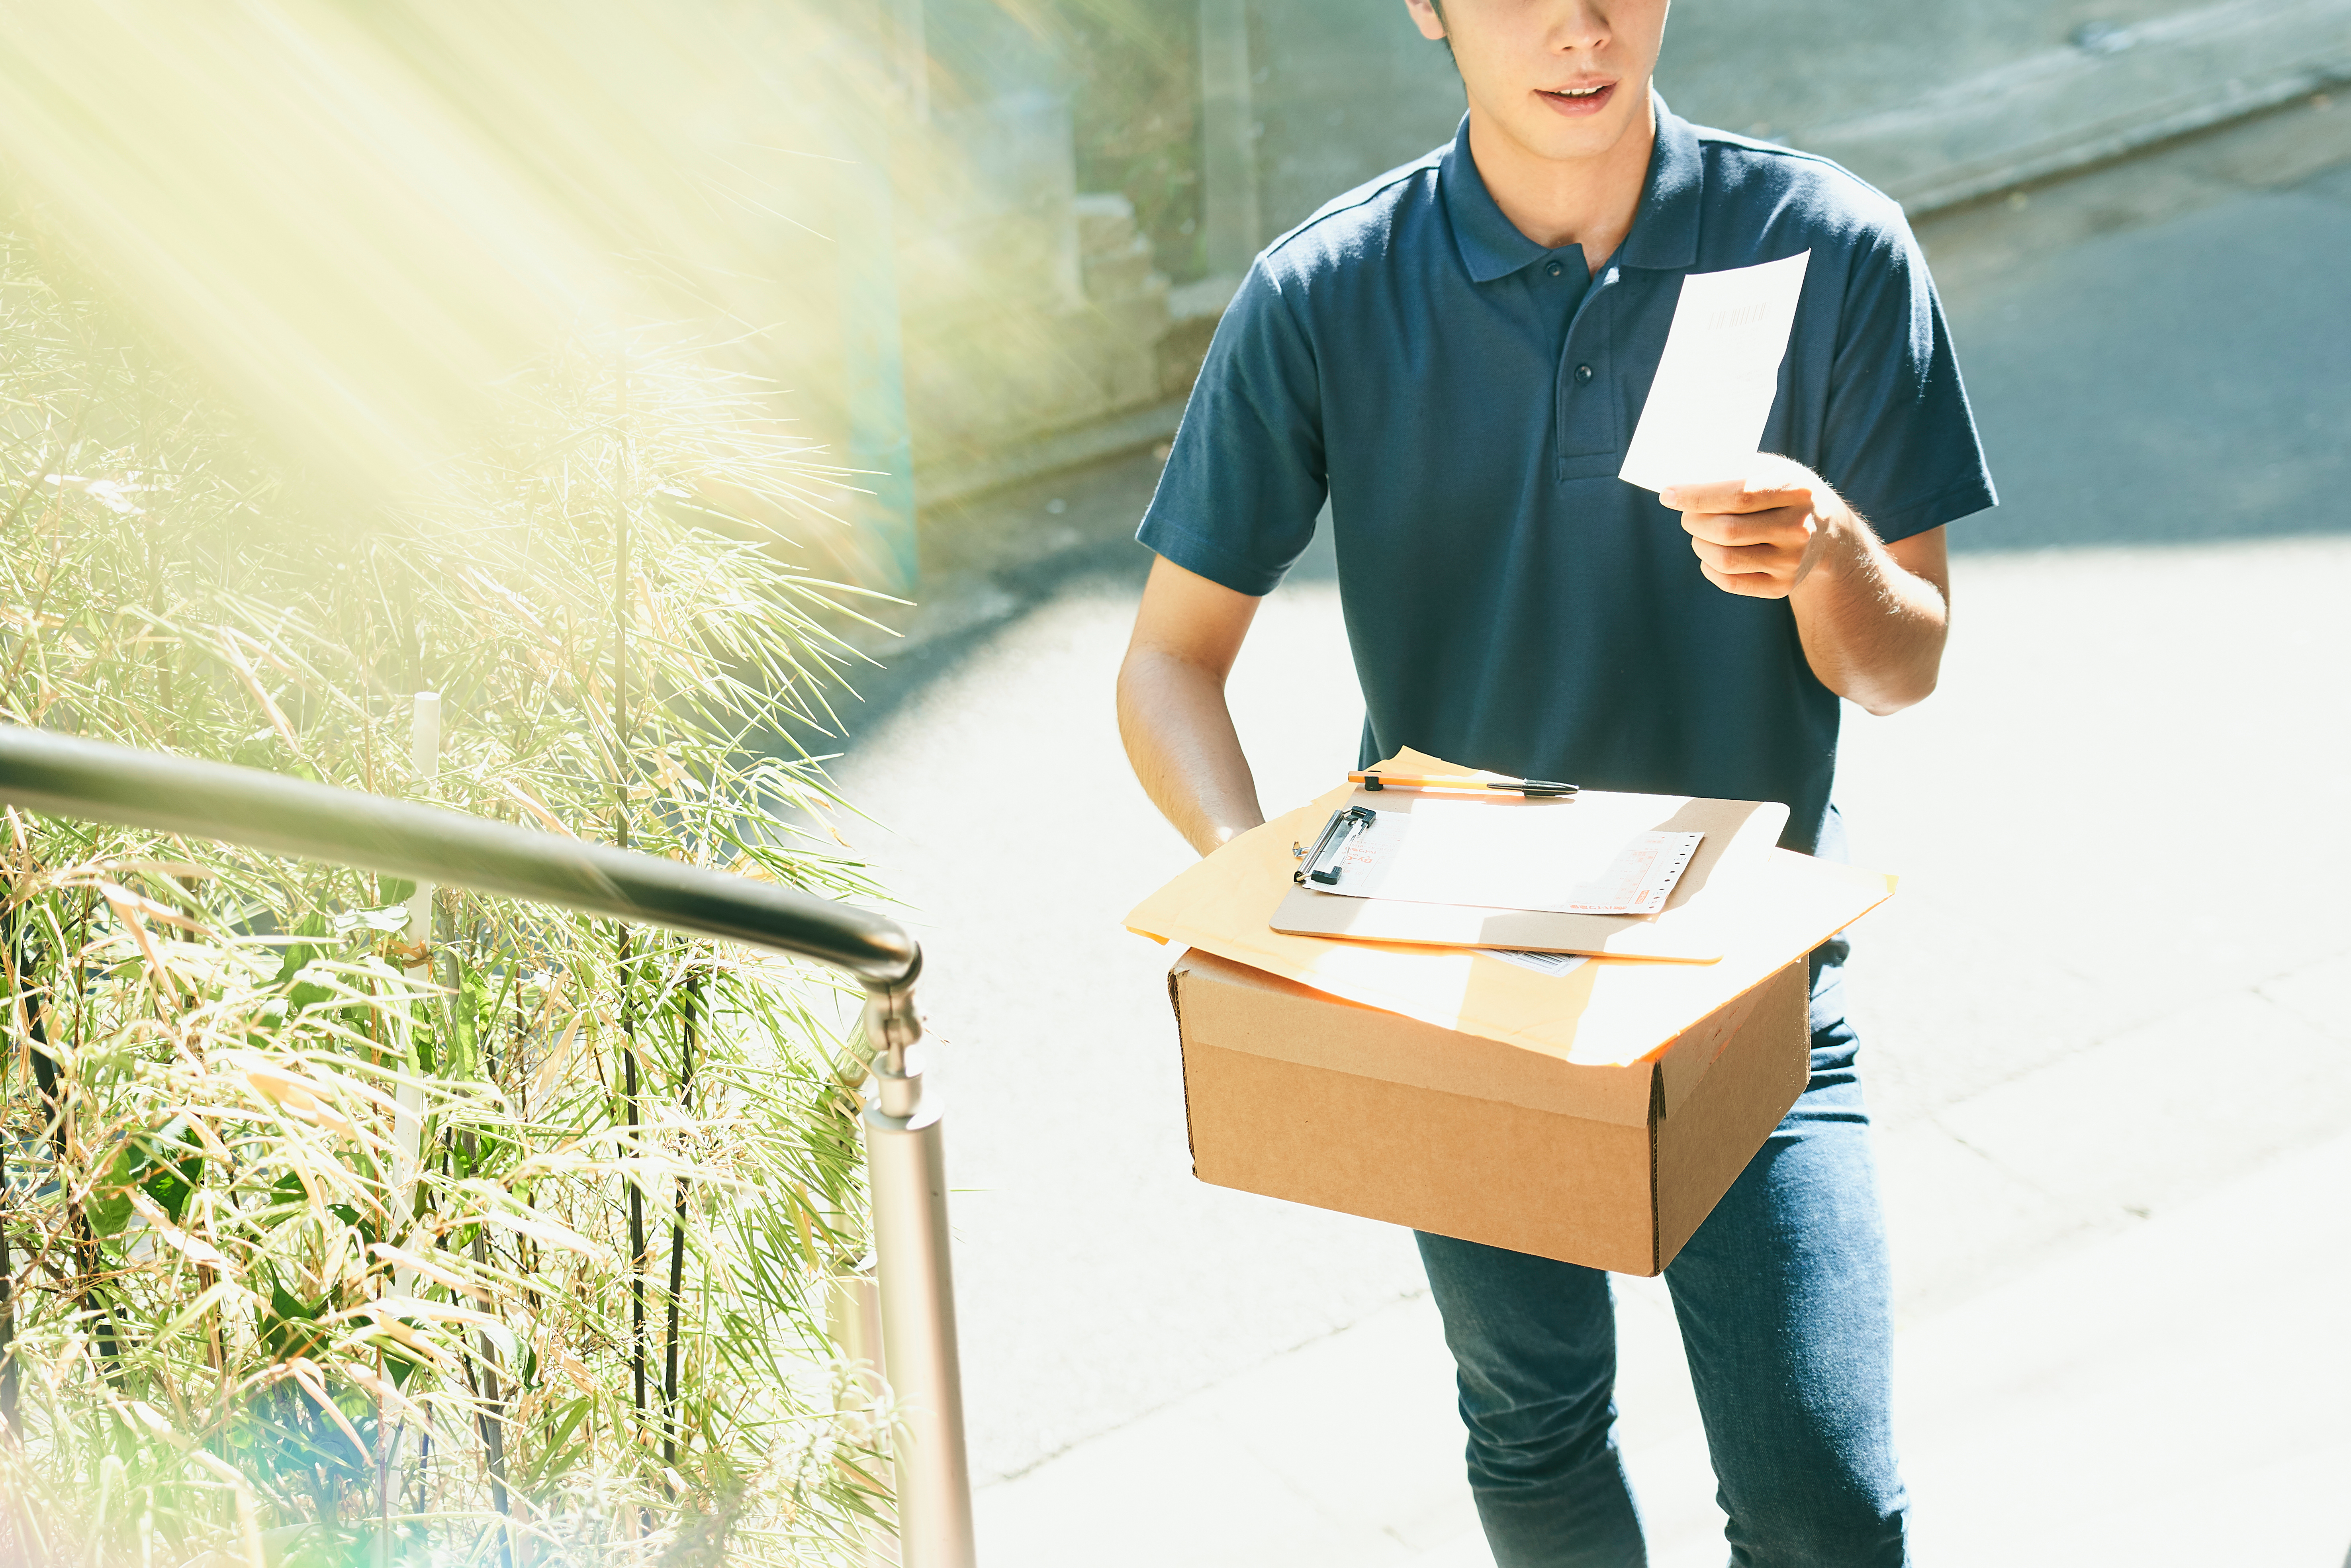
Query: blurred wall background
{"x": 972, "y": 241}
{"x": 1161, "y": 143}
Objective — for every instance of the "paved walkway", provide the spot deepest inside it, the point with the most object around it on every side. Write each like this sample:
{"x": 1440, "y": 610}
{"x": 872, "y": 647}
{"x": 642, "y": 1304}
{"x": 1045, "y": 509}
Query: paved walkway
{"x": 2114, "y": 1130}
{"x": 2155, "y": 1399}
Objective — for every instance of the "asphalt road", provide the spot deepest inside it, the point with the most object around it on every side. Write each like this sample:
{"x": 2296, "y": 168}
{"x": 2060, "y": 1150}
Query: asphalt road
{"x": 2112, "y": 982}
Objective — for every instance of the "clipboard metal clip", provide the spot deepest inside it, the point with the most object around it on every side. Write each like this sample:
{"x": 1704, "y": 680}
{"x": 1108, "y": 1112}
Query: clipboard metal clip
{"x": 1320, "y": 865}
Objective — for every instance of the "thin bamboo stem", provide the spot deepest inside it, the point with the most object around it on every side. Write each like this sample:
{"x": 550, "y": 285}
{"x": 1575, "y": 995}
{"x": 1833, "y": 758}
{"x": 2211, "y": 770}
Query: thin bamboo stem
{"x": 9, "y": 1385}
{"x": 9, "y": 1428}
{"x": 690, "y": 1000}
{"x": 638, "y": 1251}
{"x": 637, "y": 1244}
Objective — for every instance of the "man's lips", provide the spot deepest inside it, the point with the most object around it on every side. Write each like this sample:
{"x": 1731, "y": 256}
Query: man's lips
{"x": 1578, "y": 101}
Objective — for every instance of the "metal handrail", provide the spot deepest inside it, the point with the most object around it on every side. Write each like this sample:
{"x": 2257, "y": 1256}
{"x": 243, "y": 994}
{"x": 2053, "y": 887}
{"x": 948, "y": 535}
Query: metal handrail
{"x": 65, "y": 776}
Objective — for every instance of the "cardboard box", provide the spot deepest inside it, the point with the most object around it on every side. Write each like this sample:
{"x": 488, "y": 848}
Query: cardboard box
{"x": 1295, "y": 1094}
{"x": 1595, "y": 1117}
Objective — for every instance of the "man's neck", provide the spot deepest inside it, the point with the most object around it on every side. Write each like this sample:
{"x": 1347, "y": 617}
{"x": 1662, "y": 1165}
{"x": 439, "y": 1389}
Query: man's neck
{"x": 1557, "y": 201}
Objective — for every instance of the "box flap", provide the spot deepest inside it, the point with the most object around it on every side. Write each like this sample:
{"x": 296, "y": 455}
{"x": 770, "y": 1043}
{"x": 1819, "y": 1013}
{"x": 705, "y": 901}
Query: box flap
{"x": 1608, "y": 1012}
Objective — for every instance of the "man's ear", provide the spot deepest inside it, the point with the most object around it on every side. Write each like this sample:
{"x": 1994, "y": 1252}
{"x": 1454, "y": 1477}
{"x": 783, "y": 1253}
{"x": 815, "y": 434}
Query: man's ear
{"x": 1427, "y": 17}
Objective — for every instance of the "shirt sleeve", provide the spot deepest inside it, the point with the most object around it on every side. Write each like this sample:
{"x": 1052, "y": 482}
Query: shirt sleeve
{"x": 1245, "y": 479}
{"x": 1899, "y": 442}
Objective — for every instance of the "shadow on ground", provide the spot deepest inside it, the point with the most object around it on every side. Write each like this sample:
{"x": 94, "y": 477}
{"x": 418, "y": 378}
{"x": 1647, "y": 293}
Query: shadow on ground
{"x": 2182, "y": 383}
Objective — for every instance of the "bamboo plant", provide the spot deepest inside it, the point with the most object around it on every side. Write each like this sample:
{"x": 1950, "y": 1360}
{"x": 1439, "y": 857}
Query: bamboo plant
{"x": 336, "y": 1230}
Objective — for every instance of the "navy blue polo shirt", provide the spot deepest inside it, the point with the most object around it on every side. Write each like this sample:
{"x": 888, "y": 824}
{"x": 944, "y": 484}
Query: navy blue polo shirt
{"x": 1463, "y": 397}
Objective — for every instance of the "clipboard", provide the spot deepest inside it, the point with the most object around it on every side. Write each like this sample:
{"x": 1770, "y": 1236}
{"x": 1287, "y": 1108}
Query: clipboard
{"x": 1740, "y": 837}
{"x": 1602, "y": 1014}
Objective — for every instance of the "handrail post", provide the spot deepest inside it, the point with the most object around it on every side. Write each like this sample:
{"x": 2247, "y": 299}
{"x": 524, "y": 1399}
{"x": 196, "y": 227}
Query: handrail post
{"x": 908, "y": 1171}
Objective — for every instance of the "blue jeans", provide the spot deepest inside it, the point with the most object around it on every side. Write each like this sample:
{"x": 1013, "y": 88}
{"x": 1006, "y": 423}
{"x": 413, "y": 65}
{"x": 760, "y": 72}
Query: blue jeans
{"x": 1783, "y": 1300}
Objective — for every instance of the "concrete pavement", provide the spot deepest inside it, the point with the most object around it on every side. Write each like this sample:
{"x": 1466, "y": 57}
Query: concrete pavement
{"x": 2135, "y": 1401}
{"x": 2113, "y": 1131}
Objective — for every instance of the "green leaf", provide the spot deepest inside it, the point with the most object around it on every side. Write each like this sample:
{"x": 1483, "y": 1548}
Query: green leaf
{"x": 287, "y": 1306}
{"x": 108, "y": 1208}
{"x": 299, "y": 954}
{"x": 165, "y": 1165}
{"x": 175, "y": 1165}
{"x": 288, "y": 1190}
{"x": 490, "y": 1155}
{"x": 289, "y": 1328}
{"x": 352, "y": 1217}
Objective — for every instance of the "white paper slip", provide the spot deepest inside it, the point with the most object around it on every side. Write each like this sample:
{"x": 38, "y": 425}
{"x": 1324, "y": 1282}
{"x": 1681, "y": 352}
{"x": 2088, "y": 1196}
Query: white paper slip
{"x": 1716, "y": 380}
{"x": 1551, "y": 964}
{"x": 1566, "y": 861}
{"x": 1641, "y": 878}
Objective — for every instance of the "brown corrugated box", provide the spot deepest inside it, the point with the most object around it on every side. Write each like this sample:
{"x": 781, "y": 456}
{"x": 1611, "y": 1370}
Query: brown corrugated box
{"x": 1595, "y": 1117}
{"x": 1300, "y": 1095}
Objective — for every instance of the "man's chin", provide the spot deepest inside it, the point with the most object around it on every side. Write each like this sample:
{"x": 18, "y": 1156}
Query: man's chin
{"x": 1547, "y": 138}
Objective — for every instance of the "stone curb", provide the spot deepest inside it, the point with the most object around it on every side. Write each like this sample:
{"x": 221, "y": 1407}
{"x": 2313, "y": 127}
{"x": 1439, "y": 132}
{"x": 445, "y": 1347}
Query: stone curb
{"x": 2115, "y": 92}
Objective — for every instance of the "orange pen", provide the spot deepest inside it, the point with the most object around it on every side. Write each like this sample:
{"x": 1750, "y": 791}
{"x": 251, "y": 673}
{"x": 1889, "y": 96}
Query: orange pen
{"x": 1373, "y": 778}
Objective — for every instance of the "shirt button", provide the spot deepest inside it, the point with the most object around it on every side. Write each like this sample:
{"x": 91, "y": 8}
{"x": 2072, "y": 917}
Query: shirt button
{"x": 1555, "y": 270}
{"x": 1583, "y": 375}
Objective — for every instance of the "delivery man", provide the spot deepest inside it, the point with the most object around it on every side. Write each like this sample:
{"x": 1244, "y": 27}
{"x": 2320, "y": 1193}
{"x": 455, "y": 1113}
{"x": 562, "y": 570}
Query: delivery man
{"x": 1455, "y": 356}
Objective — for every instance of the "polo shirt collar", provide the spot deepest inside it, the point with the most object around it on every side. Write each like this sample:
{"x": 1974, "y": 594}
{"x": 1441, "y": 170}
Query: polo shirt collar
{"x": 1492, "y": 245}
{"x": 1664, "y": 237}
{"x": 1664, "y": 229}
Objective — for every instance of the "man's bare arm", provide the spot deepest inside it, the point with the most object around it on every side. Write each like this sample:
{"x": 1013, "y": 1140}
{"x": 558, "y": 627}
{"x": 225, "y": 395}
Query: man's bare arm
{"x": 1873, "y": 616}
{"x": 1179, "y": 733}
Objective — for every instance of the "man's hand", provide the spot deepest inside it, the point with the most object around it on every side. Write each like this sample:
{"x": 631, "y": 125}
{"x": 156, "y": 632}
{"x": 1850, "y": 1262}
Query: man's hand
{"x": 1762, "y": 534}
{"x": 1872, "y": 616}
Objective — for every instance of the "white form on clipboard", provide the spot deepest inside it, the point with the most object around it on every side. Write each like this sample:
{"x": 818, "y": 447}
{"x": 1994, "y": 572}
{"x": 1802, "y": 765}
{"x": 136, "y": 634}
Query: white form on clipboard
{"x": 1580, "y": 859}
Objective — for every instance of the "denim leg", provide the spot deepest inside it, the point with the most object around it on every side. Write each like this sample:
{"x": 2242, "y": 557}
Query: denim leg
{"x": 1785, "y": 1316}
{"x": 1535, "y": 1344}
